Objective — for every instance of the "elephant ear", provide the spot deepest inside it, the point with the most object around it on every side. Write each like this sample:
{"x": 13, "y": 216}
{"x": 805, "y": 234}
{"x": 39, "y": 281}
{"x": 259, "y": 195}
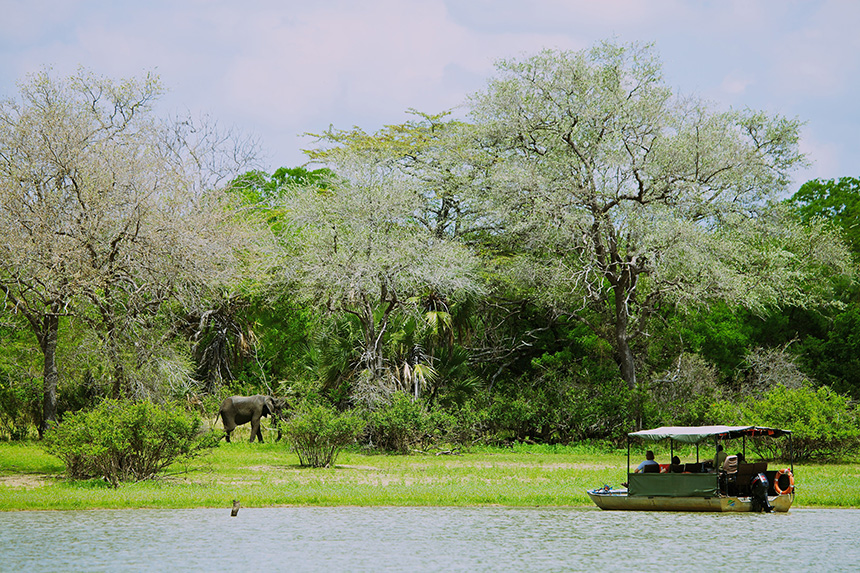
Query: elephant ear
{"x": 269, "y": 405}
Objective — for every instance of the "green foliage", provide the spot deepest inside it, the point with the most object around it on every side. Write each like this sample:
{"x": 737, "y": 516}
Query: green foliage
{"x": 682, "y": 395}
{"x": 824, "y": 424}
{"x": 20, "y": 405}
{"x": 719, "y": 334}
{"x": 283, "y": 328}
{"x": 317, "y": 433}
{"x": 20, "y": 374}
{"x": 126, "y": 441}
{"x": 834, "y": 357}
{"x": 260, "y": 188}
{"x": 265, "y": 193}
{"x": 568, "y": 399}
{"x": 20, "y": 389}
{"x": 400, "y": 425}
{"x": 834, "y": 200}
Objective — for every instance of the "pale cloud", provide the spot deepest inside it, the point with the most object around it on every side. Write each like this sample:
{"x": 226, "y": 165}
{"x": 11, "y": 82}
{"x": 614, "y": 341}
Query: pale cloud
{"x": 822, "y": 55}
{"x": 735, "y": 84}
{"x": 825, "y": 158}
{"x": 282, "y": 68}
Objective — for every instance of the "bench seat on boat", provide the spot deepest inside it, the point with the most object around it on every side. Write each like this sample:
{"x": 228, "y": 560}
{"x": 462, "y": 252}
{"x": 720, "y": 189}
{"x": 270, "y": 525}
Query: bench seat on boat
{"x": 745, "y": 475}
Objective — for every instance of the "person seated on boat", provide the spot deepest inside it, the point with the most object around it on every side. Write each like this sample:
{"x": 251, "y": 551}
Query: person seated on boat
{"x": 741, "y": 458}
{"x": 729, "y": 475}
{"x": 719, "y": 458}
{"x": 676, "y": 467}
{"x": 649, "y": 461}
{"x": 730, "y": 465}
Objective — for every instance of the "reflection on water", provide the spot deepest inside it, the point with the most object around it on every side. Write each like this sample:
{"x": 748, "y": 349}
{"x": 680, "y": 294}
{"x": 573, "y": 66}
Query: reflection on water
{"x": 426, "y": 539}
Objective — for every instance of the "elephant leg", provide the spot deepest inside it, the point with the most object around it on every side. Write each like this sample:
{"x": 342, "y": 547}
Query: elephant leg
{"x": 229, "y": 425}
{"x": 255, "y": 430}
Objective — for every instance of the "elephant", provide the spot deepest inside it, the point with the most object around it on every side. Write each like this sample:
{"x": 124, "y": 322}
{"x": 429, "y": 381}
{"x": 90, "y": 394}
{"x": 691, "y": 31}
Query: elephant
{"x": 238, "y": 410}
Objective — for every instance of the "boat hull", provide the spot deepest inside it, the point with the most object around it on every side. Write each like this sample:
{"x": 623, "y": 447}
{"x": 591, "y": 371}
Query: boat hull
{"x": 619, "y": 500}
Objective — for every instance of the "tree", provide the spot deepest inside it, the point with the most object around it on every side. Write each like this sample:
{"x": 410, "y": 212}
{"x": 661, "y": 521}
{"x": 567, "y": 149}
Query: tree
{"x": 836, "y": 200}
{"x": 360, "y": 250}
{"x": 442, "y": 159}
{"x": 103, "y": 214}
{"x": 618, "y": 196}
{"x": 56, "y": 144}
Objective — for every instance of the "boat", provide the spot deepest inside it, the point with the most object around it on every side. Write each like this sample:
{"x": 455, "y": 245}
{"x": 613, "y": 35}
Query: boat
{"x": 699, "y": 486}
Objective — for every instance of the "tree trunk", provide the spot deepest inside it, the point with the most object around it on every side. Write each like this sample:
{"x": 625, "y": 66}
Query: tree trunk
{"x": 48, "y": 343}
{"x": 119, "y": 388}
{"x": 626, "y": 361}
{"x": 372, "y": 339}
{"x": 107, "y": 308}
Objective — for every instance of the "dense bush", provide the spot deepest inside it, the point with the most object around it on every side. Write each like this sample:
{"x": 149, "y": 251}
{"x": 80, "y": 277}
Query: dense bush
{"x": 834, "y": 357}
{"x": 399, "y": 426}
{"x": 567, "y": 400}
{"x": 824, "y": 424}
{"x": 682, "y": 395}
{"x": 20, "y": 404}
{"x": 465, "y": 424}
{"x": 317, "y": 433}
{"x": 126, "y": 441}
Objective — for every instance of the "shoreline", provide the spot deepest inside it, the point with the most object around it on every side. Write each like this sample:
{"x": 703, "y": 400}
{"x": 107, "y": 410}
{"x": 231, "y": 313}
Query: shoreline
{"x": 268, "y": 475}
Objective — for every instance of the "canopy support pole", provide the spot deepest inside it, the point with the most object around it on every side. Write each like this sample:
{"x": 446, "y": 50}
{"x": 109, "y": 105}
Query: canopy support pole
{"x": 791, "y": 453}
{"x": 627, "y": 478}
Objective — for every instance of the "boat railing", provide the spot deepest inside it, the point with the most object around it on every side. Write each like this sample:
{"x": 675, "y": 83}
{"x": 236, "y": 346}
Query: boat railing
{"x": 673, "y": 484}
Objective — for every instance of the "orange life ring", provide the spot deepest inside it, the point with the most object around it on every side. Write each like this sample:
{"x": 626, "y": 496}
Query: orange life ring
{"x": 779, "y": 474}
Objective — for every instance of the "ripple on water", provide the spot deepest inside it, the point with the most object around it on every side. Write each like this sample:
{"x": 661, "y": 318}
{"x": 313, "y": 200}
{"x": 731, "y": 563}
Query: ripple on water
{"x": 426, "y": 539}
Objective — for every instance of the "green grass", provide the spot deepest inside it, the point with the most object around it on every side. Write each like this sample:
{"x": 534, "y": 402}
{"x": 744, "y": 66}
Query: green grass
{"x": 268, "y": 474}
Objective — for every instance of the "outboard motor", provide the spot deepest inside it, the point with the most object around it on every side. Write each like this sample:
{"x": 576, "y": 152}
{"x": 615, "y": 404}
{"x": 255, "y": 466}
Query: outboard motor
{"x": 758, "y": 494}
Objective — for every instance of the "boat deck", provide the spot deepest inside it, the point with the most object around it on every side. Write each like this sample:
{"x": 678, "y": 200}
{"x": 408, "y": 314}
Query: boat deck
{"x": 618, "y": 499}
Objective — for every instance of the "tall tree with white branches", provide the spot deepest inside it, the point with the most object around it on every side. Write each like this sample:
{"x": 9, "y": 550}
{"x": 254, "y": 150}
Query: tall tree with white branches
{"x": 621, "y": 196}
{"x": 101, "y": 214}
{"x": 363, "y": 249}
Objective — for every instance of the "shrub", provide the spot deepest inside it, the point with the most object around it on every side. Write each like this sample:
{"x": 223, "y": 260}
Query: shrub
{"x": 400, "y": 425}
{"x": 824, "y": 424}
{"x": 470, "y": 423}
{"x": 317, "y": 433}
{"x": 559, "y": 406}
{"x": 126, "y": 441}
{"x": 20, "y": 404}
{"x": 682, "y": 395}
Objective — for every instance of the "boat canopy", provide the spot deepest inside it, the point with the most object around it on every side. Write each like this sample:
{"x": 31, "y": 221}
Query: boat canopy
{"x": 696, "y": 434}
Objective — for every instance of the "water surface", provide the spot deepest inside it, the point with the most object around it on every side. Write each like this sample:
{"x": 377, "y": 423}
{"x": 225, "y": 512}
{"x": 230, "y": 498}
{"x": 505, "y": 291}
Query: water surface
{"x": 426, "y": 539}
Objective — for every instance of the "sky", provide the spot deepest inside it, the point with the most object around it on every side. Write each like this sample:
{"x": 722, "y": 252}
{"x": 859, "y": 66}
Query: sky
{"x": 278, "y": 69}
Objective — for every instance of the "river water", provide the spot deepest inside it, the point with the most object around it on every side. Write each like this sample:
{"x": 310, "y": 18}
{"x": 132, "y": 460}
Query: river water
{"x": 427, "y": 539}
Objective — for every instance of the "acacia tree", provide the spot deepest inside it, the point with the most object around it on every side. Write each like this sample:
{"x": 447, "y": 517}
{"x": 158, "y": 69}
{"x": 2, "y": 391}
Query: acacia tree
{"x": 98, "y": 216}
{"x": 362, "y": 251}
{"x": 836, "y": 200}
{"x": 620, "y": 196}
{"x": 441, "y": 159}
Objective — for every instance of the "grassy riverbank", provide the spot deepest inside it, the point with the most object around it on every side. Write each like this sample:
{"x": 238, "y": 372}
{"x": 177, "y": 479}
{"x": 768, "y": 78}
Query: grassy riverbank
{"x": 268, "y": 474}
